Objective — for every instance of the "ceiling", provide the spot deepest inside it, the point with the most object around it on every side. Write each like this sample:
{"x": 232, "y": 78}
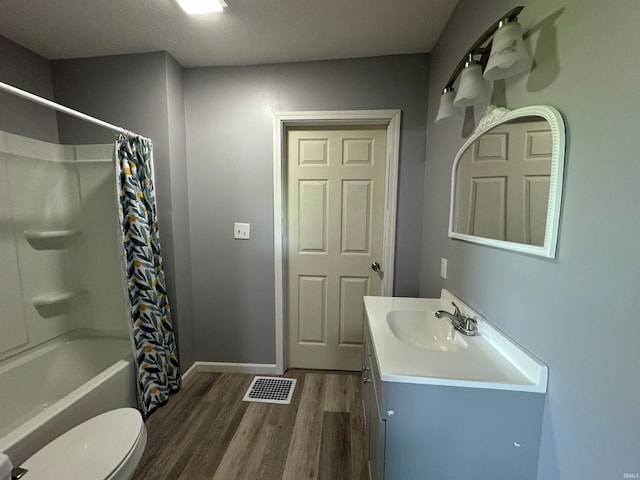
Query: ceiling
{"x": 247, "y": 32}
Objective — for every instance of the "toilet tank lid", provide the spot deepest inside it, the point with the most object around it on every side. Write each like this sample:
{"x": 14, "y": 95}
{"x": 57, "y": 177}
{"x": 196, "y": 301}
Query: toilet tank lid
{"x": 91, "y": 450}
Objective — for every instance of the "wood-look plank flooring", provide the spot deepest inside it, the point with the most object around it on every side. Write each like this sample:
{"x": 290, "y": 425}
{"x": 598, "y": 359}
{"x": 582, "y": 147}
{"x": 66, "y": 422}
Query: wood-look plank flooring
{"x": 206, "y": 431}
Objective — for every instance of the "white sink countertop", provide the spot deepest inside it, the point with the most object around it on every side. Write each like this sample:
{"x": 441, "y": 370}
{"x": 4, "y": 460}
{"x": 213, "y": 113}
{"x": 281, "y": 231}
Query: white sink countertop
{"x": 490, "y": 360}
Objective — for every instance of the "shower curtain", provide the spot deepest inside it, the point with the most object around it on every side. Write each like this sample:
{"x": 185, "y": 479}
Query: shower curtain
{"x": 152, "y": 331}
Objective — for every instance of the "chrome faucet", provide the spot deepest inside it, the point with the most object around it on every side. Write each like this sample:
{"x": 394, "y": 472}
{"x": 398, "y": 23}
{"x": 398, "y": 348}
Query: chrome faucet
{"x": 465, "y": 325}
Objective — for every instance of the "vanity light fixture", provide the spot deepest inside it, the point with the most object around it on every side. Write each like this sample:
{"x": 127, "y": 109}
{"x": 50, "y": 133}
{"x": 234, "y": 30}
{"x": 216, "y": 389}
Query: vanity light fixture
{"x": 504, "y": 55}
{"x": 200, "y": 7}
{"x": 446, "y": 108}
{"x": 471, "y": 89}
{"x": 508, "y": 54}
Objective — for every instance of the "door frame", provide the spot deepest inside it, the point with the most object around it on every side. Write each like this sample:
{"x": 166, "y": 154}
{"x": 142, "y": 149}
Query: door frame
{"x": 284, "y": 120}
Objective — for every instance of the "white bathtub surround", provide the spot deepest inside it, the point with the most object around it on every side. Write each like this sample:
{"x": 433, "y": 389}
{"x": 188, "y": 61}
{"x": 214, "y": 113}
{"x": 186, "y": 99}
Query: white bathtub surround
{"x": 38, "y": 191}
{"x": 58, "y": 239}
{"x": 489, "y": 360}
{"x": 50, "y": 389}
{"x": 60, "y": 289}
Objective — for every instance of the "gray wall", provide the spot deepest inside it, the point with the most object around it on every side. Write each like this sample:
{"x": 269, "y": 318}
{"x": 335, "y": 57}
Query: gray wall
{"x": 181, "y": 245}
{"x": 230, "y": 159}
{"x": 140, "y": 93}
{"x": 580, "y": 312}
{"x": 24, "y": 69}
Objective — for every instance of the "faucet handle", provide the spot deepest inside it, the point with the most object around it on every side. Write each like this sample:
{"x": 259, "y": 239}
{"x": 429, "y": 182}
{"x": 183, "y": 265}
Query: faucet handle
{"x": 470, "y": 326}
{"x": 456, "y": 312}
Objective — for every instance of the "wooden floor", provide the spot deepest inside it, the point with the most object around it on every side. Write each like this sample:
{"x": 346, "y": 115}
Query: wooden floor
{"x": 207, "y": 432}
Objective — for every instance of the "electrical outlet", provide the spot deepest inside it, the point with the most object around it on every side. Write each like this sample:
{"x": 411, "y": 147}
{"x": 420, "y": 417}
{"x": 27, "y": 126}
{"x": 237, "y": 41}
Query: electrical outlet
{"x": 443, "y": 268}
{"x": 242, "y": 231}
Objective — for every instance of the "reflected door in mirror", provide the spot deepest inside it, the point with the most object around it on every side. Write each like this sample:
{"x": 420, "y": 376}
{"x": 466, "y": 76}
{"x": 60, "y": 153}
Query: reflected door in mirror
{"x": 503, "y": 180}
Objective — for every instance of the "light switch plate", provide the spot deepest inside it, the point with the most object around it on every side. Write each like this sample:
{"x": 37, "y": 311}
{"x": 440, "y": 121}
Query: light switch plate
{"x": 242, "y": 231}
{"x": 443, "y": 268}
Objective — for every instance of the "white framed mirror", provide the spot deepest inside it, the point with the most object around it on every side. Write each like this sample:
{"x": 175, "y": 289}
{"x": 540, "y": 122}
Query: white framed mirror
{"x": 506, "y": 183}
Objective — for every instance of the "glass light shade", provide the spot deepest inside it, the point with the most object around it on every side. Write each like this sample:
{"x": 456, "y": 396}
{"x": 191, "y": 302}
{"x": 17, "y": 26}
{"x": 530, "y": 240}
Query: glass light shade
{"x": 446, "y": 108}
{"x": 471, "y": 89}
{"x": 199, "y": 7}
{"x": 508, "y": 54}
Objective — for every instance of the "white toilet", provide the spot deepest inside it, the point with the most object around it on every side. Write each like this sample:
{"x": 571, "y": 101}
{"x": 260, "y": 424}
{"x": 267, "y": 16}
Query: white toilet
{"x": 106, "y": 447}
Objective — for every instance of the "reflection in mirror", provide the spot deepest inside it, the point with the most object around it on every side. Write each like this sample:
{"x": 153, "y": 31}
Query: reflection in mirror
{"x": 506, "y": 175}
{"x": 504, "y": 183}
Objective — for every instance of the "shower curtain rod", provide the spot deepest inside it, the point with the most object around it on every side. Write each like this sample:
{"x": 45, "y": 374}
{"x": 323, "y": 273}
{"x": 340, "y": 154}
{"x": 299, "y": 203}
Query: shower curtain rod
{"x": 61, "y": 108}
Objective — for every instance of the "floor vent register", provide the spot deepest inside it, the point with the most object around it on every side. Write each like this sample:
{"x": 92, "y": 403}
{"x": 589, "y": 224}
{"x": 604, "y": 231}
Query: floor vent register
{"x": 270, "y": 390}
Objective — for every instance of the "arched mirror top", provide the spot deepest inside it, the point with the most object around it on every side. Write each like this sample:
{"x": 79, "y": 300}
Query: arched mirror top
{"x": 506, "y": 185}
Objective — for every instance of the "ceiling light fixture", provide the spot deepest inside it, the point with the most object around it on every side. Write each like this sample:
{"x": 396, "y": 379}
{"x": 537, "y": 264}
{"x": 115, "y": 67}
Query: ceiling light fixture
{"x": 505, "y": 55}
{"x": 200, "y": 7}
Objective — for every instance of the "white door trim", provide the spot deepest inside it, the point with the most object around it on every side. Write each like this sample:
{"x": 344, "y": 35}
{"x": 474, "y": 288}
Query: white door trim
{"x": 282, "y": 120}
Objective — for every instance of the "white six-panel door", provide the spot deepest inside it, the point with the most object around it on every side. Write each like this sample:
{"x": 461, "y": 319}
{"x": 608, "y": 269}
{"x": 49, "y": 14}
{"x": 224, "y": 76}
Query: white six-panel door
{"x": 335, "y": 221}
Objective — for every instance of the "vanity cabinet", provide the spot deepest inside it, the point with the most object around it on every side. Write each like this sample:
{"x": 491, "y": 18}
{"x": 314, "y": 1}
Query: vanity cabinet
{"x": 374, "y": 420}
{"x": 419, "y": 431}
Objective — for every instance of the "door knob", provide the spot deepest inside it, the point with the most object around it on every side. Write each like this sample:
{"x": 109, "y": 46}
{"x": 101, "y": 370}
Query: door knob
{"x": 375, "y": 266}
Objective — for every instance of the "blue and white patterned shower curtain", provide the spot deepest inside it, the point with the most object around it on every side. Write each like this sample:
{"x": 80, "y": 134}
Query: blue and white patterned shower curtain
{"x": 153, "y": 337}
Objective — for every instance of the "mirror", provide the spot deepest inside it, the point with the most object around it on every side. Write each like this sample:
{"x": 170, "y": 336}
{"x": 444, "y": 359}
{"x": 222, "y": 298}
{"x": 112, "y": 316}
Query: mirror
{"x": 506, "y": 184}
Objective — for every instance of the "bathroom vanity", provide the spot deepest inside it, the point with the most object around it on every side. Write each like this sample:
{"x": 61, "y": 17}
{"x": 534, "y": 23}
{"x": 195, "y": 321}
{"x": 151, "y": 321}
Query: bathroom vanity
{"x": 439, "y": 405}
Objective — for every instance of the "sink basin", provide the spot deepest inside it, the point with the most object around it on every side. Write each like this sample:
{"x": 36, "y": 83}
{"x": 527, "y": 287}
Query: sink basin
{"x": 422, "y": 329}
{"x": 411, "y": 345}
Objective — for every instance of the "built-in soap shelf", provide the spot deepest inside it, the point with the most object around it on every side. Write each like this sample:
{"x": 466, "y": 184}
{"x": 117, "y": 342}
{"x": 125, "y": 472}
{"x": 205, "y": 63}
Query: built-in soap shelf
{"x": 50, "y": 239}
{"x": 54, "y": 298}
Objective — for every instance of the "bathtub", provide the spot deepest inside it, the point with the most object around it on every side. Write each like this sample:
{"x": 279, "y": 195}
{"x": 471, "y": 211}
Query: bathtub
{"x": 48, "y": 390}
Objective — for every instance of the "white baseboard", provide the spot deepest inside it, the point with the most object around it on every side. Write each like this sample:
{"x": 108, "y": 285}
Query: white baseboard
{"x": 222, "y": 367}
{"x": 192, "y": 369}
